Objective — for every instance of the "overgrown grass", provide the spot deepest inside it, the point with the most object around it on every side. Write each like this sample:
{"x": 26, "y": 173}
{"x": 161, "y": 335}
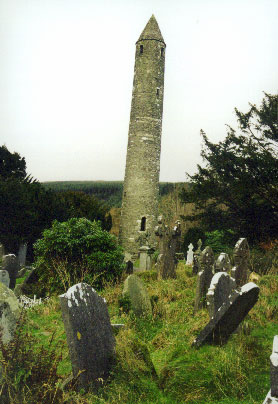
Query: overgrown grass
{"x": 155, "y": 362}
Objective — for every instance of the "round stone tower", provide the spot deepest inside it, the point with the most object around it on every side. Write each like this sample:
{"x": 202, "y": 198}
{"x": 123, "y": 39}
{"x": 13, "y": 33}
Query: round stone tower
{"x": 140, "y": 194}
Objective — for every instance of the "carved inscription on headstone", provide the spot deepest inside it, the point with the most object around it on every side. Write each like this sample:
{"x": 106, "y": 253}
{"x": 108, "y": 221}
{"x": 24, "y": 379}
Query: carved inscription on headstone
{"x": 89, "y": 334}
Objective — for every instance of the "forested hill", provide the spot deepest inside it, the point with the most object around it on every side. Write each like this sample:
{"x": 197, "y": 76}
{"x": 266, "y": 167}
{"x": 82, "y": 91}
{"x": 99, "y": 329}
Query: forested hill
{"x": 108, "y": 191}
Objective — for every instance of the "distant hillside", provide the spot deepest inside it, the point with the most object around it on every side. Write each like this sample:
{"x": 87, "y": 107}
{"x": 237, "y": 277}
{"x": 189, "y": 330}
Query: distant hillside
{"x": 107, "y": 191}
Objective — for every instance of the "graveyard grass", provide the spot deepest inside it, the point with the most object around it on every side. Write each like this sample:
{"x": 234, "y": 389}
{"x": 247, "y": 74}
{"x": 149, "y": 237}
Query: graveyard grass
{"x": 155, "y": 361}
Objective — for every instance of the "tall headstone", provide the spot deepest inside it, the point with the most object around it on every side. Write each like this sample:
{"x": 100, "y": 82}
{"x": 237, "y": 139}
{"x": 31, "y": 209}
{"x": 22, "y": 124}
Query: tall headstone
{"x": 189, "y": 258}
{"x": 138, "y": 295}
{"x": 4, "y": 277}
{"x": 10, "y": 264}
{"x": 9, "y": 313}
{"x": 2, "y": 251}
{"x": 229, "y": 316}
{"x": 241, "y": 260}
{"x": 22, "y": 254}
{"x": 221, "y": 287}
{"x": 143, "y": 256}
{"x": 223, "y": 263}
{"x": 141, "y": 184}
{"x": 204, "y": 278}
{"x": 89, "y": 334}
{"x": 168, "y": 243}
{"x": 196, "y": 258}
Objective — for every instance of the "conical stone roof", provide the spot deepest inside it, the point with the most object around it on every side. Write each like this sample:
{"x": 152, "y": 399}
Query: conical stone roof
{"x": 151, "y": 31}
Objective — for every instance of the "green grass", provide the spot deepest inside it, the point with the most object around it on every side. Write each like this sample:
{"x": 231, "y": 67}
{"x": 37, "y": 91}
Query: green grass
{"x": 236, "y": 373}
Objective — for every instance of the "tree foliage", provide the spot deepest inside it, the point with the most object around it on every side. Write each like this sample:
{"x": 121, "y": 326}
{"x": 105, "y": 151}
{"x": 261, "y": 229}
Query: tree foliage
{"x": 237, "y": 188}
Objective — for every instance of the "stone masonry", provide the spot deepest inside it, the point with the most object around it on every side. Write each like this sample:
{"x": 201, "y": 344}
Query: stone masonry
{"x": 140, "y": 193}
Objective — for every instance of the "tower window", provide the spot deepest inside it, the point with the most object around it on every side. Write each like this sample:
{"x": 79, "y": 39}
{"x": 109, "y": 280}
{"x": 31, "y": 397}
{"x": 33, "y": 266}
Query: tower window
{"x": 143, "y": 224}
{"x": 141, "y": 49}
{"x": 157, "y": 92}
{"x": 162, "y": 51}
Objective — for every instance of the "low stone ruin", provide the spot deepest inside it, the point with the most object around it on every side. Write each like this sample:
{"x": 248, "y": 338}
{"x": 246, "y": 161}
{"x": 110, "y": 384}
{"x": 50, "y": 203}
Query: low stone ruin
{"x": 229, "y": 316}
{"x": 89, "y": 335}
{"x": 138, "y": 295}
{"x": 272, "y": 396}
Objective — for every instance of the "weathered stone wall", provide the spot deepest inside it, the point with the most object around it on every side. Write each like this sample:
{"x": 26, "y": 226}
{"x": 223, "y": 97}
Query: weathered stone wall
{"x": 140, "y": 193}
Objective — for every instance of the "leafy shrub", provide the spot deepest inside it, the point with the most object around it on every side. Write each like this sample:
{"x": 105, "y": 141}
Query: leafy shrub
{"x": 75, "y": 251}
{"x": 220, "y": 240}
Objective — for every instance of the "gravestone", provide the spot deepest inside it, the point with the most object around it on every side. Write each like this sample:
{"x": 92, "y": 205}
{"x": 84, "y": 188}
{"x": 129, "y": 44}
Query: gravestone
{"x": 223, "y": 263}
{"x": 9, "y": 313}
{"x": 204, "y": 278}
{"x": 229, "y": 316}
{"x": 168, "y": 244}
{"x": 241, "y": 260}
{"x": 10, "y": 264}
{"x": 4, "y": 277}
{"x": 138, "y": 295}
{"x": 196, "y": 256}
{"x": 272, "y": 396}
{"x": 189, "y": 258}
{"x": 89, "y": 334}
{"x": 129, "y": 267}
{"x": 143, "y": 257}
{"x": 220, "y": 289}
{"x": 22, "y": 254}
{"x": 2, "y": 251}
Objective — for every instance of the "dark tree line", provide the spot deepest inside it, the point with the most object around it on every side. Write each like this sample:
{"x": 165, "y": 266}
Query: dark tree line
{"x": 237, "y": 188}
{"x": 27, "y": 208}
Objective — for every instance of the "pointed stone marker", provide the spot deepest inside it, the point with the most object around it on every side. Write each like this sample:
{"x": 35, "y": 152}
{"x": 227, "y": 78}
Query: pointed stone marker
{"x": 89, "y": 334}
{"x": 229, "y": 316}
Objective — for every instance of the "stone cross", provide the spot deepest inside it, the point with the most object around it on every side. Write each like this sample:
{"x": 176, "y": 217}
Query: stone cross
{"x": 138, "y": 295}
{"x": 196, "y": 255}
{"x": 229, "y": 316}
{"x": 241, "y": 260}
{"x": 223, "y": 263}
{"x": 10, "y": 264}
{"x": 89, "y": 334}
{"x": 204, "y": 278}
{"x": 4, "y": 277}
{"x": 168, "y": 243}
{"x": 22, "y": 254}
{"x": 220, "y": 289}
{"x": 189, "y": 258}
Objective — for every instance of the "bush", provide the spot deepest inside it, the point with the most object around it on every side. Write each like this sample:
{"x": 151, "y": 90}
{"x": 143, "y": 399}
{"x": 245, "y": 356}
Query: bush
{"x": 220, "y": 240}
{"x": 75, "y": 251}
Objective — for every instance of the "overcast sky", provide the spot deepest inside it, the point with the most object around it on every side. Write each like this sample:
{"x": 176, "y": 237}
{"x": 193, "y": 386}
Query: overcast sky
{"x": 66, "y": 77}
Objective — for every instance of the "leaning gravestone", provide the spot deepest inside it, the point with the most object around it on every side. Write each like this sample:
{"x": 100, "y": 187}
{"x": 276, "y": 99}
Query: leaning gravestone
{"x": 4, "y": 277}
{"x": 89, "y": 334}
{"x": 272, "y": 396}
{"x": 223, "y": 263}
{"x": 241, "y": 260}
{"x": 9, "y": 313}
{"x": 189, "y": 258}
{"x": 138, "y": 295}
{"x": 204, "y": 278}
{"x": 10, "y": 264}
{"x": 229, "y": 316}
{"x": 220, "y": 289}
